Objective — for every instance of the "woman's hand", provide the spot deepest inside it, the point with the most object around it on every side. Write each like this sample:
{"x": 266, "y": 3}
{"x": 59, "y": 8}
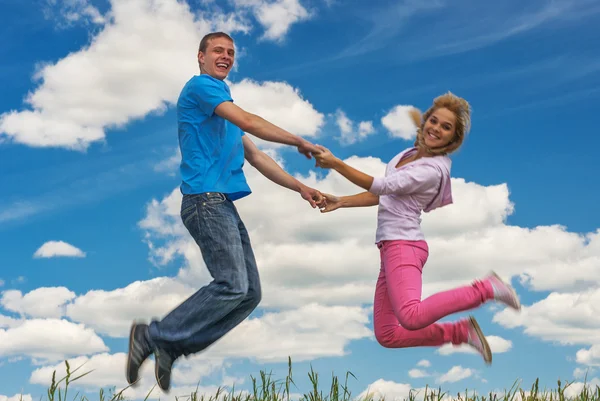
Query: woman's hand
{"x": 331, "y": 203}
{"x": 325, "y": 159}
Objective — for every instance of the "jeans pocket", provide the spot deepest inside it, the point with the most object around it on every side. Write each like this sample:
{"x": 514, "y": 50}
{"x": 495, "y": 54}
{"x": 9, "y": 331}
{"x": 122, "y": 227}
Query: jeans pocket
{"x": 188, "y": 214}
{"x": 213, "y": 198}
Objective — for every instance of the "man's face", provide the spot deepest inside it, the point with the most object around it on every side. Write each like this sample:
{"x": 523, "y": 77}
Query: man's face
{"x": 218, "y": 58}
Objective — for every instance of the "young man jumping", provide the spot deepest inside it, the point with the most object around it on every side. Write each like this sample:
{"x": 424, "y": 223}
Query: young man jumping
{"x": 213, "y": 148}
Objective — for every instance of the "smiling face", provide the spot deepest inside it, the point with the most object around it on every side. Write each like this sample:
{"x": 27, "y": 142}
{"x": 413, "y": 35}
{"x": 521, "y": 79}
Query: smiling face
{"x": 218, "y": 58}
{"x": 439, "y": 129}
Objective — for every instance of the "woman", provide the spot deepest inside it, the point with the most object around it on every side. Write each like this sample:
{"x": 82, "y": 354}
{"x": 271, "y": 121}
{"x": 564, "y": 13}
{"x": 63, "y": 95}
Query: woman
{"x": 416, "y": 180}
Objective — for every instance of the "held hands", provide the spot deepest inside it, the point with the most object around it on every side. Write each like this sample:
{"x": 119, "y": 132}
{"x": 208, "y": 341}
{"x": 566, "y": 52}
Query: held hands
{"x": 307, "y": 148}
{"x": 324, "y": 158}
{"x": 314, "y": 197}
{"x": 330, "y": 203}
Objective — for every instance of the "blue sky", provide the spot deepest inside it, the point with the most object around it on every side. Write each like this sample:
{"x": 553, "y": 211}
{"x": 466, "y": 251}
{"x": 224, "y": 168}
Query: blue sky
{"x": 89, "y": 175}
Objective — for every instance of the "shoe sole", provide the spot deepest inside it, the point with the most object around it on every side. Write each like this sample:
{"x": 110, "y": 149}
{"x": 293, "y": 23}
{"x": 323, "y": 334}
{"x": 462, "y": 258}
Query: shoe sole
{"x": 487, "y": 352}
{"x": 131, "y": 331}
{"x": 166, "y": 390}
{"x": 512, "y": 291}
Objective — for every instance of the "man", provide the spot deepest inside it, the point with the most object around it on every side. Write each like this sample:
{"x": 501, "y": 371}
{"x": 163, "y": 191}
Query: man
{"x": 213, "y": 147}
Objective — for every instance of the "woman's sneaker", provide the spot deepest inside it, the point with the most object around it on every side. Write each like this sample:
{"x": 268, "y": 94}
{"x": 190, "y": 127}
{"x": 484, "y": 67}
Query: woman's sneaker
{"x": 504, "y": 292}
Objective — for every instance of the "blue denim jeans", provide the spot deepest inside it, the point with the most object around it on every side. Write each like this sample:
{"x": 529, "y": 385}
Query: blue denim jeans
{"x": 214, "y": 223}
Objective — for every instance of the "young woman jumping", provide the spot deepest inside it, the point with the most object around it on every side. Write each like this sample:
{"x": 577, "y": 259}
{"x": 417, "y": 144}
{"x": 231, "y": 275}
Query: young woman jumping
{"x": 418, "y": 179}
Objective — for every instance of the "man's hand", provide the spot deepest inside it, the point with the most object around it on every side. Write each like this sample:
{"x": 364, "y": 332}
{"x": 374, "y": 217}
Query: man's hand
{"x": 314, "y": 197}
{"x": 307, "y": 148}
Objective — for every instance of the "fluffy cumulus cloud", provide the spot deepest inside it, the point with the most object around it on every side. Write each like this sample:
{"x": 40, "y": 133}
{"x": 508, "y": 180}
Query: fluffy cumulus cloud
{"x": 385, "y": 389}
{"x": 351, "y": 133}
{"x": 417, "y": 373}
{"x": 49, "y": 339}
{"x": 566, "y": 318}
{"x": 115, "y": 68}
{"x": 399, "y": 124}
{"x": 39, "y": 303}
{"x": 186, "y": 374}
{"x": 279, "y": 103}
{"x": 456, "y": 373}
{"x": 589, "y": 357}
{"x": 498, "y": 345}
{"x": 53, "y": 249}
{"x": 276, "y": 16}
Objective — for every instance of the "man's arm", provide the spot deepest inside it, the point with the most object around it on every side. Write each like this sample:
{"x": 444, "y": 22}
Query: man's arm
{"x": 270, "y": 169}
{"x": 261, "y": 128}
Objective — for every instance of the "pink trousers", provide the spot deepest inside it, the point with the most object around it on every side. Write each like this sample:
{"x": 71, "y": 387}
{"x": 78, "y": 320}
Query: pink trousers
{"x": 401, "y": 318}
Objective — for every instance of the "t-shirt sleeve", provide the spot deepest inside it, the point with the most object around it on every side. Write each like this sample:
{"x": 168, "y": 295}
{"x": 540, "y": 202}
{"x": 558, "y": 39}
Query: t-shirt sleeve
{"x": 407, "y": 181}
{"x": 208, "y": 94}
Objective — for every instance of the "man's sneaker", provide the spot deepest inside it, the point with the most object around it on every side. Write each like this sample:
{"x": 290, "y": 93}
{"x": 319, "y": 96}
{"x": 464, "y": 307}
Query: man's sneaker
{"x": 477, "y": 340}
{"x": 504, "y": 292}
{"x": 162, "y": 368}
{"x": 139, "y": 350}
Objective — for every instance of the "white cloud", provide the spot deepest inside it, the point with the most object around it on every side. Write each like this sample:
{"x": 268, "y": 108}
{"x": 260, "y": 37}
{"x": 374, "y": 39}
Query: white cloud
{"x": 498, "y": 345}
{"x": 350, "y": 134}
{"x": 399, "y": 124}
{"x": 186, "y": 373}
{"x": 171, "y": 164}
{"x": 16, "y": 397}
{"x": 576, "y": 388}
{"x": 424, "y": 363}
{"x": 567, "y": 318}
{"x": 39, "y": 303}
{"x": 418, "y": 373}
{"x": 276, "y": 16}
{"x": 589, "y": 357}
{"x": 53, "y": 249}
{"x": 49, "y": 339}
{"x": 71, "y": 12}
{"x": 580, "y": 373}
{"x": 279, "y": 103}
{"x": 7, "y": 321}
{"x": 112, "y": 312}
{"x": 126, "y": 85}
{"x": 456, "y": 373}
{"x": 385, "y": 389}
{"x": 311, "y": 331}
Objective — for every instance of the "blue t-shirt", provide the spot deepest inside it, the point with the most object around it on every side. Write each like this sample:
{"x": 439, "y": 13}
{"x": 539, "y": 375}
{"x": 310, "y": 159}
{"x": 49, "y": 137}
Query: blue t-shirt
{"x": 212, "y": 152}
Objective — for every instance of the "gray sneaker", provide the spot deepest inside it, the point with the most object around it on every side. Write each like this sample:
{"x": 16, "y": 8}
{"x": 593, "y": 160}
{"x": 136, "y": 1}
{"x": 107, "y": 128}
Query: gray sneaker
{"x": 139, "y": 350}
{"x": 162, "y": 368}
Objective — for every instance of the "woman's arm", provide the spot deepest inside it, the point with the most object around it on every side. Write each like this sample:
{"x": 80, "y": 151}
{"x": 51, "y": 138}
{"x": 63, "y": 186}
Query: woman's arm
{"x": 405, "y": 182}
{"x": 359, "y": 200}
{"x": 326, "y": 159}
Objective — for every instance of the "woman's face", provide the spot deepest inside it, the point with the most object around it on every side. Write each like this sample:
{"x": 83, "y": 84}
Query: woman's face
{"x": 439, "y": 129}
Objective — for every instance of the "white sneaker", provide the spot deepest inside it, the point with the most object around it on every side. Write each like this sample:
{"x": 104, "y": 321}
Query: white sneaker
{"x": 504, "y": 292}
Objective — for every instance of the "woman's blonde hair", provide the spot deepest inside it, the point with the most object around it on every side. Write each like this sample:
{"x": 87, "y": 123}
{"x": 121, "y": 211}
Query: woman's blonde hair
{"x": 461, "y": 109}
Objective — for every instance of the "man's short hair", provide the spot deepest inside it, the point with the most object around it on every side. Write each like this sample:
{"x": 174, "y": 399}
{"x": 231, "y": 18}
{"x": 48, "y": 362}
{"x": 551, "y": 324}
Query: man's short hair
{"x": 208, "y": 37}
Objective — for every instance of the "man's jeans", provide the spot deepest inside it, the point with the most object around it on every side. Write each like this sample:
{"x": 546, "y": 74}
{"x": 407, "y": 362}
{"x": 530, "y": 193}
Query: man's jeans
{"x": 214, "y": 223}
